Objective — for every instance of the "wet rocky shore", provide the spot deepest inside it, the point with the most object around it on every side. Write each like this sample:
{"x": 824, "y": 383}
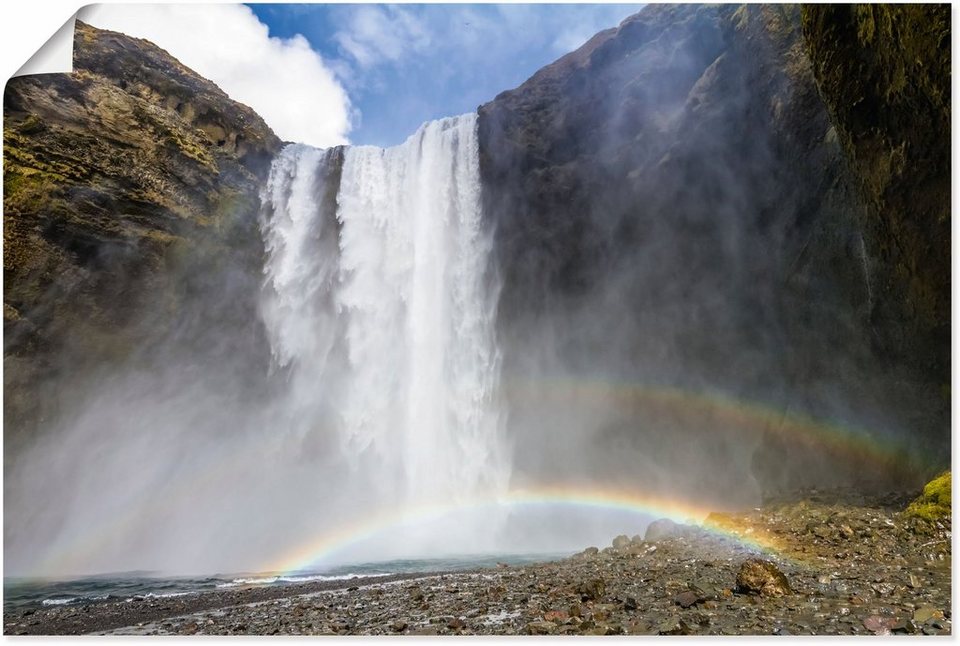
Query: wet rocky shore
{"x": 818, "y": 564}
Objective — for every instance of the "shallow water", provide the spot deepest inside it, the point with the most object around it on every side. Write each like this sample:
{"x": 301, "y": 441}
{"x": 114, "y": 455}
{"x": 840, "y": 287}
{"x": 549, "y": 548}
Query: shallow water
{"x": 128, "y": 586}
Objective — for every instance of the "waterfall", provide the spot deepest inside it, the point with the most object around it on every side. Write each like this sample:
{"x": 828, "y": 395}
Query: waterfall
{"x": 379, "y": 304}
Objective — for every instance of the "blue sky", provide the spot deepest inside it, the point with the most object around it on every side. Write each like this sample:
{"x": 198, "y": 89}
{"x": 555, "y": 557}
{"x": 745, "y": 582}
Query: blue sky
{"x": 401, "y": 65}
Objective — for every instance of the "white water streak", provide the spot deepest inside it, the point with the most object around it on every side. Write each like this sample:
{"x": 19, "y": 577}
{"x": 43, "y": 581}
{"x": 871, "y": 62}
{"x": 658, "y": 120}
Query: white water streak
{"x": 405, "y": 299}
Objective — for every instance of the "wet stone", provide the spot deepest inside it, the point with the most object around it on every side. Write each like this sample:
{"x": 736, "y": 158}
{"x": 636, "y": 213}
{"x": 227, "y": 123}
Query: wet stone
{"x": 637, "y": 596}
{"x": 673, "y": 626}
{"x": 904, "y": 627}
{"x": 541, "y": 628}
{"x": 879, "y": 625}
{"x": 661, "y": 529}
{"x": 761, "y": 577}
{"x": 591, "y": 589}
{"x": 687, "y": 598}
{"x": 924, "y": 614}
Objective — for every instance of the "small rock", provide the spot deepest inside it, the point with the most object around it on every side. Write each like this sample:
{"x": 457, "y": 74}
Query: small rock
{"x": 923, "y": 614}
{"x": 629, "y": 603}
{"x": 591, "y": 589}
{"x": 757, "y": 576}
{"x": 399, "y": 626}
{"x": 673, "y": 626}
{"x": 603, "y": 611}
{"x": 879, "y": 625}
{"x": 604, "y": 629}
{"x": 456, "y": 623}
{"x": 687, "y": 598}
{"x": 556, "y": 616}
{"x": 541, "y": 628}
{"x": 904, "y": 627}
{"x": 621, "y": 542}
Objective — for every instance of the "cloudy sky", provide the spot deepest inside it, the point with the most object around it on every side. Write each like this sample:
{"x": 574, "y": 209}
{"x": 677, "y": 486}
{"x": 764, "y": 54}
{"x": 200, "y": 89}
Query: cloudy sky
{"x": 361, "y": 73}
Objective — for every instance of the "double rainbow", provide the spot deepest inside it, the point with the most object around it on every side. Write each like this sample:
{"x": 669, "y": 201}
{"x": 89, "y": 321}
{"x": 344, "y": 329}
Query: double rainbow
{"x": 71, "y": 554}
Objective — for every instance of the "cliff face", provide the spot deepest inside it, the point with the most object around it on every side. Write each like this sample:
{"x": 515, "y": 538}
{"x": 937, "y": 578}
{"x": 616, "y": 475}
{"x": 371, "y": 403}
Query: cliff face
{"x": 675, "y": 208}
{"x": 130, "y": 189}
{"x": 884, "y": 74}
{"x": 688, "y": 205}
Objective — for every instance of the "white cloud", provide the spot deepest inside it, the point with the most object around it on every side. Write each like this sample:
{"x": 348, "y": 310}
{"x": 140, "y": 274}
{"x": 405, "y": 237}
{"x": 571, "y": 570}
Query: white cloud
{"x": 283, "y": 80}
{"x": 377, "y": 34}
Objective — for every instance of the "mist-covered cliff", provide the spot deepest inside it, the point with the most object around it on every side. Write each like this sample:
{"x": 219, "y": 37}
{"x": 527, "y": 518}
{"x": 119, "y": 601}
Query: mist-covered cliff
{"x": 688, "y": 203}
{"x": 130, "y": 188}
{"x": 722, "y": 234}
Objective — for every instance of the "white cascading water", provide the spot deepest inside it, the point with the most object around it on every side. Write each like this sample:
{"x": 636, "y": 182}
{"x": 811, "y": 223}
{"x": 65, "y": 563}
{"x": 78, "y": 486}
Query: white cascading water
{"x": 383, "y": 312}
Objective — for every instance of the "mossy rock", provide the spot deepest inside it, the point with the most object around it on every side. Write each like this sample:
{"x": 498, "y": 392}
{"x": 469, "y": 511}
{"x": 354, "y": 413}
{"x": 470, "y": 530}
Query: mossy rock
{"x": 934, "y": 503}
{"x": 125, "y": 185}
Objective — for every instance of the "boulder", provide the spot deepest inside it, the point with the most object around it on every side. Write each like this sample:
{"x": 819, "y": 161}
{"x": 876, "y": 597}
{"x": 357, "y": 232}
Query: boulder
{"x": 760, "y": 577}
{"x": 664, "y": 528}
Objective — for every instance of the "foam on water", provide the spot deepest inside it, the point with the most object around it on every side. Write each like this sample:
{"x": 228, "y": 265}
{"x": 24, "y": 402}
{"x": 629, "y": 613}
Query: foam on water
{"x": 19, "y": 593}
{"x": 267, "y": 580}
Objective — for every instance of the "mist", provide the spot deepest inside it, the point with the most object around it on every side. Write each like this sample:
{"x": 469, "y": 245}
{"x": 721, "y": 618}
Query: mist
{"x": 654, "y": 282}
{"x": 689, "y": 305}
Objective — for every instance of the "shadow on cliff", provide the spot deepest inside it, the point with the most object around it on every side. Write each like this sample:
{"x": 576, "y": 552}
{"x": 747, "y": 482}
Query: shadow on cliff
{"x": 684, "y": 248}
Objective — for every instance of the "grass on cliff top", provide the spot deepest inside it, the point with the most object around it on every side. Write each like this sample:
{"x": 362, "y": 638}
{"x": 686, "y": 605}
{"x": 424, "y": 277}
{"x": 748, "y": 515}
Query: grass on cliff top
{"x": 934, "y": 502}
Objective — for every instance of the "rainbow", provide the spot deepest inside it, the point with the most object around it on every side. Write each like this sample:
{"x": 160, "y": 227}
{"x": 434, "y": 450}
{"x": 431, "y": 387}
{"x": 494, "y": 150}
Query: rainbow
{"x": 70, "y": 553}
{"x": 322, "y": 548}
{"x": 793, "y": 428}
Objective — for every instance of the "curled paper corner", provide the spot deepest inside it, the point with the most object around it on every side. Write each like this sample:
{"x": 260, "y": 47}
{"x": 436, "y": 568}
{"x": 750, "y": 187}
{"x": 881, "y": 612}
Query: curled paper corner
{"x": 55, "y": 55}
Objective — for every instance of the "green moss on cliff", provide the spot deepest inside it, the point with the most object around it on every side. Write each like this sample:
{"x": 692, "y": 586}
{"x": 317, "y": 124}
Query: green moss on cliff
{"x": 935, "y": 501}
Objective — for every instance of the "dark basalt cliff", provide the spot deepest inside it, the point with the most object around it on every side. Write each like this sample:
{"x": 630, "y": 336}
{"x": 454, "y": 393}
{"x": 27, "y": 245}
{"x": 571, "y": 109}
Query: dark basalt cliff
{"x": 749, "y": 203}
{"x": 130, "y": 187}
{"x": 884, "y": 73}
{"x": 676, "y": 199}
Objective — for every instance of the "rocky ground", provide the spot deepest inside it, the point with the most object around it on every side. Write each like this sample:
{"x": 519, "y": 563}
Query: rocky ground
{"x": 821, "y": 565}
